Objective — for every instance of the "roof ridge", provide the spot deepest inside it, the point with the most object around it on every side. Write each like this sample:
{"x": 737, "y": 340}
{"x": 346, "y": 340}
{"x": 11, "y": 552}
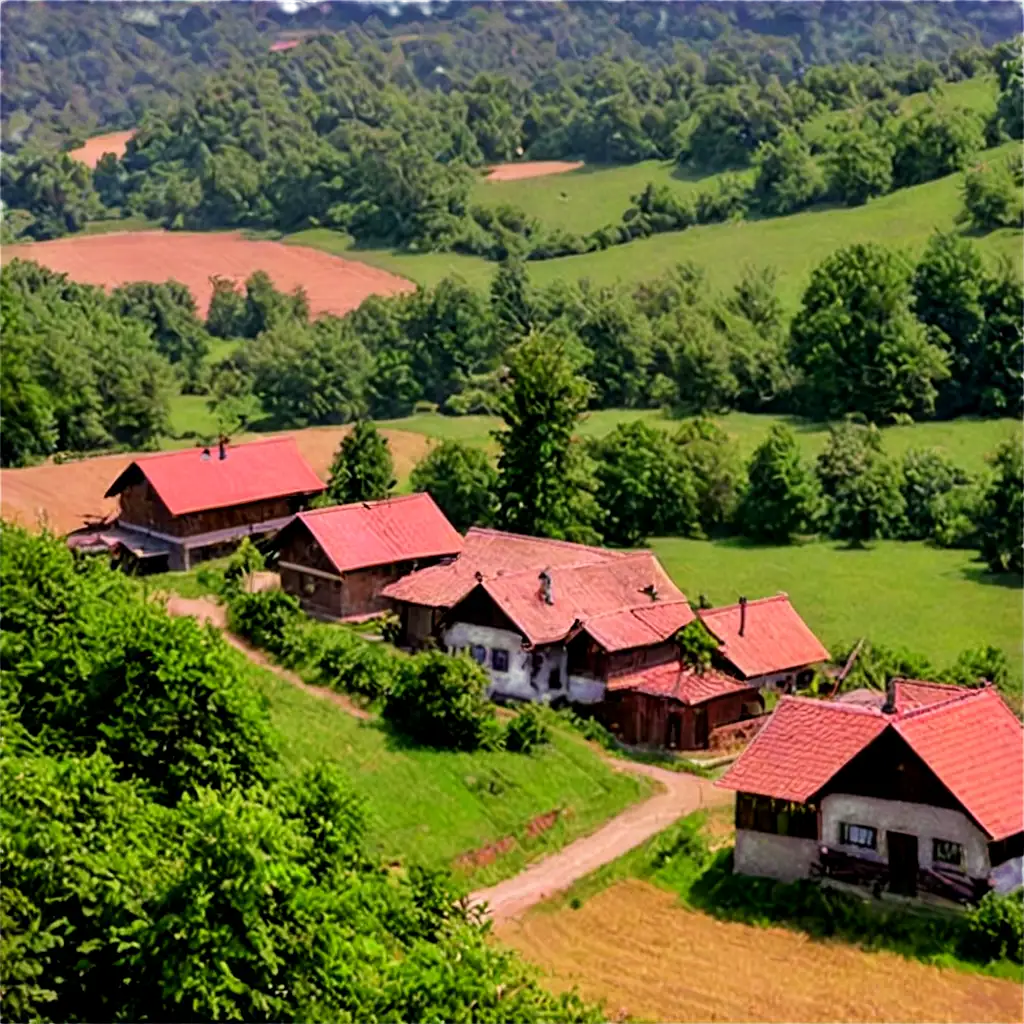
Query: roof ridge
{"x": 275, "y": 439}
{"x": 491, "y": 531}
{"x": 640, "y": 607}
{"x": 361, "y": 504}
{"x": 968, "y": 693}
{"x": 780, "y": 596}
{"x": 834, "y": 705}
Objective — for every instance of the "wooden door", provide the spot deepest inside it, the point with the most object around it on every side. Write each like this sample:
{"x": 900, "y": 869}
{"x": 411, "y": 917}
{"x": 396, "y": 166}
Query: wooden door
{"x": 902, "y": 862}
{"x": 674, "y": 732}
{"x": 700, "y": 728}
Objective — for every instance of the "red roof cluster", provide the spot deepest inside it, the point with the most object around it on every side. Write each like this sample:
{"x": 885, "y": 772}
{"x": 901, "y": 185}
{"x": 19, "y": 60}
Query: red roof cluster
{"x": 622, "y": 599}
{"x": 768, "y": 637}
{"x": 680, "y": 682}
{"x": 195, "y": 480}
{"x": 488, "y": 553}
{"x": 806, "y": 742}
{"x": 369, "y": 533}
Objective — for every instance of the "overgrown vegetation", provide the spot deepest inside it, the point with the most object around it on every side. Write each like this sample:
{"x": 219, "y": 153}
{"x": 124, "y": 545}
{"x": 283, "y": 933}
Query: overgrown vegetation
{"x": 149, "y": 834}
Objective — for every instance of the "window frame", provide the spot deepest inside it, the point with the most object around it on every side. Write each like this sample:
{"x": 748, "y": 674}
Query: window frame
{"x": 500, "y": 653}
{"x": 481, "y": 657}
{"x": 936, "y": 859}
{"x": 845, "y": 835}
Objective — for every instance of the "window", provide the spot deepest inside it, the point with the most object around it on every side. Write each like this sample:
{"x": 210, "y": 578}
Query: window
{"x": 945, "y": 851}
{"x": 555, "y": 679}
{"x": 858, "y": 835}
{"x": 499, "y": 660}
{"x": 478, "y": 654}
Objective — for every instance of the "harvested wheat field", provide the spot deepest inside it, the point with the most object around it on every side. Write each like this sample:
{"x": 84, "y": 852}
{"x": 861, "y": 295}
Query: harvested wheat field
{"x": 93, "y": 150}
{"x": 636, "y": 948}
{"x": 532, "y": 169}
{"x": 334, "y": 285}
{"x": 65, "y": 496}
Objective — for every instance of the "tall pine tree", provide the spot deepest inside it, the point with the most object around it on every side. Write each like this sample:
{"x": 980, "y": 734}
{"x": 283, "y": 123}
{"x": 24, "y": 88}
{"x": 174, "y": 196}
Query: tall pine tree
{"x": 363, "y": 469}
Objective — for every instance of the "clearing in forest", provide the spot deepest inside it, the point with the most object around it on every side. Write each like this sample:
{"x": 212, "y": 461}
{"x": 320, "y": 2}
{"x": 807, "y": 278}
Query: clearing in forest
{"x": 63, "y": 496}
{"x": 635, "y": 947}
{"x": 333, "y": 285}
{"x": 93, "y": 150}
{"x": 531, "y": 169}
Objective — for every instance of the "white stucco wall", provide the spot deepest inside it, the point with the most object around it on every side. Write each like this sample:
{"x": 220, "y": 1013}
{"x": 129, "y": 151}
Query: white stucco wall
{"x": 1009, "y": 875}
{"x": 583, "y": 690}
{"x": 513, "y": 683}
{"x": 783, "y": 857}
{"x": 921, "y": 820}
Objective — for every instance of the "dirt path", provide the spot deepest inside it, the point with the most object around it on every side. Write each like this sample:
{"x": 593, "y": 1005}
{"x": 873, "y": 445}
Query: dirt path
{"x": 206, "y": 611}
{"x": 682, "y": 794}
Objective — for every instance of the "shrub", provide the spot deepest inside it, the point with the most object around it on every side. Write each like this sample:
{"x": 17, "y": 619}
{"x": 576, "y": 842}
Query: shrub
{"x": 357, "y": 666}
{"x": 440, "y": 701}
{"x": 995, "y": 929}
{"x": 264, "y": 618}
{"x": 246, "y": 560}
{"x": 527, "y": 731}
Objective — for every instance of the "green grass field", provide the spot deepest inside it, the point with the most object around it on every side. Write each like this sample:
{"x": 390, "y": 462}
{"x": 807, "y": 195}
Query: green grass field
{"x": 432, "y": 806}
{"x": 898, "y": 593}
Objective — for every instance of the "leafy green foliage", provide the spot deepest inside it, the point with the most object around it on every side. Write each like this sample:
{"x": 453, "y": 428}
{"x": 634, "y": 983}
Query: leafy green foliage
{"x": 697, "y": 647}
{"x": 992, "y": 196}
{"x": 55, "y": 190}
{"x": 781, "y": 497}
{"x": 1002, "y": 519}
{"x": 788, "y": 179}
{"x": 935, "y": 142}
{"x": 363, "y": 469}
{"x": 927, "y": 476}
{"x": 540, "y": 478}
{"x": 461, "y": 480}
{"x": 857, "y": 343}
{"x": 996, "y": 928}
{"x": 978, "y": 664}
{"x": 527, "y": 731}
{"x": 858, "y": 166}
{"x": 440, "y": 701}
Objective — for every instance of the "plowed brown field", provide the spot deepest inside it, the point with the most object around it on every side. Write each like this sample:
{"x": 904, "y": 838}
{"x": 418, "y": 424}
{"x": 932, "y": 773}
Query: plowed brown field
{"x": 94, "y": 148}
{"x": 64, "y": 496}
{"x": 635, "y": 947}
{"x": 531, "y": 169}
{"x": 333, "y": 285}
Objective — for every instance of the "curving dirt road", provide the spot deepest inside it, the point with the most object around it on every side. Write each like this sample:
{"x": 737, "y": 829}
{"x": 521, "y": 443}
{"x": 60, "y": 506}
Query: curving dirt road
{"x": 207, "y": 612}
{"x": 682, "y": 794}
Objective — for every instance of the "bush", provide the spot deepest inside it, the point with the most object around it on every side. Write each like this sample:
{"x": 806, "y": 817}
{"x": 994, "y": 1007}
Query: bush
{"x": 357, "y": 666}
{"x": 995, "y": 929}
{"x": 441, "y": 702}
{"x": 527, "y": 731}
{"x": 264, "y": 618}
{"x": 246, "y": 560}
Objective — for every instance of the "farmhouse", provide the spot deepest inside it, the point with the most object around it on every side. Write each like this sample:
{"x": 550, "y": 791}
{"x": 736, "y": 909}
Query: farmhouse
{"x": 675, "y": 707}
{"x": 547, "y": 619}
{"x": 922, "y": 795}
{"x": 765, "y": 642}
{"x": 337, "y": 560}
{"x": 180, "y": 507}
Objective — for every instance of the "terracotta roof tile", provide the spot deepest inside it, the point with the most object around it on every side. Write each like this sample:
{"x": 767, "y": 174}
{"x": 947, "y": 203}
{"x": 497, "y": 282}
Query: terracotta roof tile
{"x": 774, "y": 638}
{"x": 975, "y": 745}
{"x": 679, "y": 682}
{"x": 365, "y": 534}
{"x": 804, "y": 744}
{"x": 186, "y": 481}
{"x": 490, "y": 553}
{"x": 917, "y": 693}
{"x": 639, "y": 627}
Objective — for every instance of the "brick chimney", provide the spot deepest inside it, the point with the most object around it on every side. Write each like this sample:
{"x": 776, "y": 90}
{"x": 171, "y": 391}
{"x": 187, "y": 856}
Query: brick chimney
{"x": 743, "y": 615}
{"x": 545, "y": 587}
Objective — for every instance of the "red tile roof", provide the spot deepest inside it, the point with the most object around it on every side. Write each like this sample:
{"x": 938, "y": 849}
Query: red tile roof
{"x": 775, "y": 638}
{"x": 365, "y": 534}
{"x": 581, "y": 593}
{"x": 803, "y": 745}
{"x": 975, "y": 745}
{"x": 638, "y": 627}
{"x": 917, "y": 693}
{"x": 680, "y": 682}
{"x": 971, "y": 740}
{"x": 191, "y": 481}
{"x": 489, "y": 553}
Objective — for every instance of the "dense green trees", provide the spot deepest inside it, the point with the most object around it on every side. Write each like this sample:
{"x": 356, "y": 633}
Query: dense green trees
{"x": 363, "y": 469}
{"x": 780, "y": 499}
{"x": 992, "y": 195}
{"x": 935, "y": 142}
{"x": 462, "y": 481}
{"x": 857, "y": 343}
{"x": 788, "y": 179}
{"x": 858, "y": 166}
{"x": 55, "y": 191}
{"x": 541, "y": 485}
{"x": 1002, "y": 517}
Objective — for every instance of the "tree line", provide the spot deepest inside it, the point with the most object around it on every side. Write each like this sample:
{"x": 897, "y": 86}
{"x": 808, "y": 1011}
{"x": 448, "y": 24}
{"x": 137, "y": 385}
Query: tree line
{"x": 876, "y": 335}
{"x": 151, "y": 834}
{"x": 329, "y": 135}
{"x": 70, "y": 71}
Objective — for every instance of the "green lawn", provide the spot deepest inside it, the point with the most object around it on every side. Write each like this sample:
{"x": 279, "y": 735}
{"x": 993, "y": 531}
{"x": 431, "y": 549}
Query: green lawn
{"x": 433, "y": 806}
{"x": 966, "y": 441}
{"x": 903, "y": 594}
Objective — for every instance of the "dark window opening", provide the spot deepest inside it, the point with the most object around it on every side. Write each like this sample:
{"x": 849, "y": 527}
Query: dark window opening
{"x": 555, "y": 679}
{"x": 945, "y": 851}
{"x": 499, "y": 660}
{"x": 478, "y": 654}
{"x": 776, "y": 817}
{"x": 863, "y": 836}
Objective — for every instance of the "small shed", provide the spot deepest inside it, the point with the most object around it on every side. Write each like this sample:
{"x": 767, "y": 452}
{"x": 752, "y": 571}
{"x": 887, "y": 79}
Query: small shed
{"x": 674, "y": 707}
{"x": 337, "y": 560}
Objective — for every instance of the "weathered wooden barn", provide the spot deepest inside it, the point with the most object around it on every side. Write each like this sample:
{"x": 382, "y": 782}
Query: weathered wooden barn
{"x": 674, "y": 707}
{"x": 180, "y": 507}
{"x": 337, "y": 561}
